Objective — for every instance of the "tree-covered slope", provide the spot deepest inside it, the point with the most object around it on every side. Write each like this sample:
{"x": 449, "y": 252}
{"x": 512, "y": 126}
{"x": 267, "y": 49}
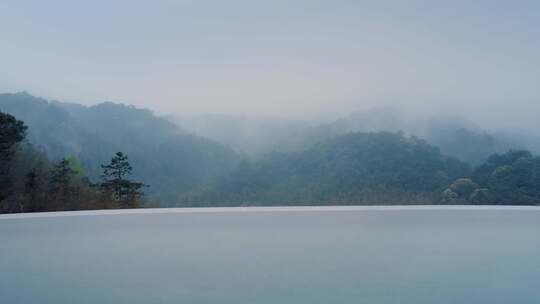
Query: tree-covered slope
{"x": 169, "y": 160}
{"x": 511, "y": 178}
{"x": 356, "y": 168}
{"x": 328, "y": 167}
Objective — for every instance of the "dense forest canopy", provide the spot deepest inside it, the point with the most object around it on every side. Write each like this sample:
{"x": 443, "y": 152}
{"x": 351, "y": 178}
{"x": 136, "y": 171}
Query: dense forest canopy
{"x": 357, "y": 168}
{"x": 508, "y": 178}
{"x": 63, "y": 156}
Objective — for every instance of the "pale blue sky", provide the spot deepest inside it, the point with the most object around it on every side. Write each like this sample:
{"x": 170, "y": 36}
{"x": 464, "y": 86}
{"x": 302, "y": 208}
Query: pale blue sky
{"x": 288, "y": 58}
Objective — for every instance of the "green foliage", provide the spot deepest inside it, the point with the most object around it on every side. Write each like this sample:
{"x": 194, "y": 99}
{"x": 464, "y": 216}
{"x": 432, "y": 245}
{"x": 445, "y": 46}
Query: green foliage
{"x": 357, "y": 168}
{"x": 115, "y": 184}
{"x": 118, "y": 168}
{"x": 463, "y": 186}
{"x": 354, "y": 168}
{"x": 450, "y": 197}
{"x": 61, "y": 186}
{"x": 34, "y": 184}
{"x": 75, "y": 166}
{"x": 12, "y": 131}
{"x": 480, "y": 196}
{"x": 168, "y": 158}
{"x": 459, "y": 191}
{"x": 61, "y": 175}
{"x": 511, "y": 178}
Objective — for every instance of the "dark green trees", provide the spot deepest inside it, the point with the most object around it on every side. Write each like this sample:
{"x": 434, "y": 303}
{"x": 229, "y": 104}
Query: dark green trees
{"x": 29, "y": 182}
{"x": 357, "y": 168}
{"x": 34, "y": 191}
{"x": 12, "y": 131}
{"x": 116, "y": 185}
{"x": 459, "y": 191}
{"x": 61, "y": 188}
{"x": 512, "y": 178}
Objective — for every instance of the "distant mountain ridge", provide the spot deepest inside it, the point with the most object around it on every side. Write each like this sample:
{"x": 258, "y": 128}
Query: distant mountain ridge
{"x": 364, "y": 158}
{"x": 454, "y": 135}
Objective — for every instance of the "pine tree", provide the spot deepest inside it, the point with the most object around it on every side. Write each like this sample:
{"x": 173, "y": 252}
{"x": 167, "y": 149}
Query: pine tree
{"x": 60, "y": 188}
{"x": 115, "y": 182}
{"x": 31, "y": 188}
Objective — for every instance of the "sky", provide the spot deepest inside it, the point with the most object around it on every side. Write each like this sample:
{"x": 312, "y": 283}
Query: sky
{"x": 303, "y": 58}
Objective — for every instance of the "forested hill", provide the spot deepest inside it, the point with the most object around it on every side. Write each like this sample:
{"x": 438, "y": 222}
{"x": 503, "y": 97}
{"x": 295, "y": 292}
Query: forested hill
{"x": 186, "y": 170}
{"x": 163, "y": 156}
{"x": 357, "y": 168}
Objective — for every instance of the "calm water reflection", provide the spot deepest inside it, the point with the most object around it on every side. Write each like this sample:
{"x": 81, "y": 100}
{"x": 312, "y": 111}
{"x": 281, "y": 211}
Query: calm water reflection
{"x": 353, "y": 255}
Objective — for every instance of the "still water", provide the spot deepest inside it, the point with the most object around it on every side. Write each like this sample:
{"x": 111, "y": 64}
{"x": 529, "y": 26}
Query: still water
{"x": 273, "y": 255}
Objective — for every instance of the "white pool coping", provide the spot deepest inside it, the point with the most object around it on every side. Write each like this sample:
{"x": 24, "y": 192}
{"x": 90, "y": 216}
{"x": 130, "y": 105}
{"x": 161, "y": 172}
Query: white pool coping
{"x": 267, "y": 209}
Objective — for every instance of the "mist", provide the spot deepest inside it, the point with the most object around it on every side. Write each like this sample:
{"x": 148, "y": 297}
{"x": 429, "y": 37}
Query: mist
{"x": 241, "y": 151}
{"x": 311, "y": 60}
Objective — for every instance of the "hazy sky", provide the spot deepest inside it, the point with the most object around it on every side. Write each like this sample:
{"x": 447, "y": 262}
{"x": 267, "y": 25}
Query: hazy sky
{"x": 290, "y": 58}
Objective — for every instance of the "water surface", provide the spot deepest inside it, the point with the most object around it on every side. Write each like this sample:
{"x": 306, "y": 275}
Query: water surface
{"x": 273, "y": 255}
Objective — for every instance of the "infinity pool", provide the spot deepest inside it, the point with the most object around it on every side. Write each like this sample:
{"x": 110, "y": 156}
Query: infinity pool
{"x": 273, "y": 255}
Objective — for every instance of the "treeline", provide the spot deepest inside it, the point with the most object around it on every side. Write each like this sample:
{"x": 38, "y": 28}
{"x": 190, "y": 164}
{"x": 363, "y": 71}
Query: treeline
{"x": 29, "y": 182}
{"x": 173, "y": 161}
{"x": 376, "y": 168}
{"x": 187, "y": 170}
{"x": 512, "y": 178}
{"x": 357, "y": 168}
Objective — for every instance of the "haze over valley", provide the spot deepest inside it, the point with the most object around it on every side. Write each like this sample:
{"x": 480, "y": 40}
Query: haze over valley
{"x": 380, "y": 156}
